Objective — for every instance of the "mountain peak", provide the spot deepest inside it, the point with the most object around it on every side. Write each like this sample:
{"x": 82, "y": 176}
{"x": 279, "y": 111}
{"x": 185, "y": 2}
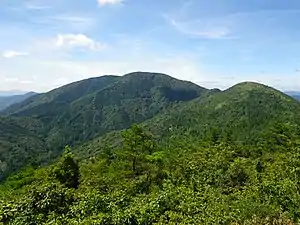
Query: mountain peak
{"x": 250, "y": 89}
{"x": 249, "y": 85}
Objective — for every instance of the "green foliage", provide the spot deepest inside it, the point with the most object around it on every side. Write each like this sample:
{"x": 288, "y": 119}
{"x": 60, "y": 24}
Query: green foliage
{"x": 137, "y": 145}
{"x": 66, "y": 170}
{"x": 174, "y": 183}
{"x": 20, "y": 145}
{"x": 41, "y": 203}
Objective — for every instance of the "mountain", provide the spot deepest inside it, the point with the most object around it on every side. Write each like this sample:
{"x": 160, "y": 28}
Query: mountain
{"x": 245, "y": 114}
{"x": 6, "y": 101}
{"x": 245, "y": 111}
{"x": 83, "y": 110}
{"x": 12, "y": 92}
{"x": 86, "y": 109}
{"x": 197, "y": 156}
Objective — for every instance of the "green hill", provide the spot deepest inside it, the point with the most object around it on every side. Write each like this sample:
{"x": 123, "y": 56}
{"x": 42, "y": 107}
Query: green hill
{"x": 55, "y": 100}
{"x": 245, "y": 111}
{"x": 245, "y": 114}
{"x": 86, "y": 109}
{"x": 81, "y": 111}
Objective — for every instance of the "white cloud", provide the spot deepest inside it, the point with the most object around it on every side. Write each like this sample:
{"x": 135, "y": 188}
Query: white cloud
{"x": 73, "y": 19}
{"x": 204, "y": 29}
{"x": 78, "y": 41}
{"x": 75, "y": 22}
{"x": 11, "y": 54}
{"x": 36, "y": 7}
{"x": 44, "y": 74}
{"x": 109, "y": 2}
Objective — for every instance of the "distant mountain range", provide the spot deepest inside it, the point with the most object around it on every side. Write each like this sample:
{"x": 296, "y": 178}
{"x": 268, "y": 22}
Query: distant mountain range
{"x": 12, "y": 92}
{"x": 294, "y": 94}
{"x": 7, "y": 100}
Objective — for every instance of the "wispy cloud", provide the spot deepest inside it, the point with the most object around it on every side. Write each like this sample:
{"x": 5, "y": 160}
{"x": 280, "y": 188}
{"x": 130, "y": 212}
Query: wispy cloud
{"x": 78, "y": 41}
{"x": 11, "y": 54}
{"x": 32, "y": 6}
{"x": 73, "y": 19}
{"x": 68, "y": 22}
{"x": 109, "y": 2}
{"x": 201, "y": 28}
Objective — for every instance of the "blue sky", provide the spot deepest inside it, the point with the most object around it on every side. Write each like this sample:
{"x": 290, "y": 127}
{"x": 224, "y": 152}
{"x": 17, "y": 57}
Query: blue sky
{"x": 48, "y": 43}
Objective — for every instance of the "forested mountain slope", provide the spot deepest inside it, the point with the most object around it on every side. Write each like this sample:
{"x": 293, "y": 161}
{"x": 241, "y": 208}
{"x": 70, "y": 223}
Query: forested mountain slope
{"x": 81, "y": 111}
{"x": 59, "y": 98}
{"x": 244, "y": 112}
{"x": 89, "y": 108}
{"x": 21, "y": 143}
{"x": 247, "y": 113}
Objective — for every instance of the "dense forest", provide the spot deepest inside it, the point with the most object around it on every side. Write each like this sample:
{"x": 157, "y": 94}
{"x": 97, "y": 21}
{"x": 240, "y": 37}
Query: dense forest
{"x": 150, "y": 149}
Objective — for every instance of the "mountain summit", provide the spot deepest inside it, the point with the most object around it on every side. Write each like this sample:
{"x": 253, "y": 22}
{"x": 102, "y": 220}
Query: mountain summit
{"x": 83, "y": 110}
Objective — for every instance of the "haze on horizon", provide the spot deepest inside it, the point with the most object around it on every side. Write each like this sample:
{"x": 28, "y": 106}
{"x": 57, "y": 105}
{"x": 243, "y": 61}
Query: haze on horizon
{"x": 216, "y": 44}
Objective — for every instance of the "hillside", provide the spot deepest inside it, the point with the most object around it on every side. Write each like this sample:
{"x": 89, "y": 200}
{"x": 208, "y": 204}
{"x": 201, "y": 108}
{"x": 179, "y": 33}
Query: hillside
{"x": 245, "y": 112}
{"x": 143, "y": 181}
{"x": 86, "y": 109}
{"x": 83, "y": 110}
{"x": 56, "y": 99}
{"x": 6, "y": 101}
{"x": 21, "y": 144}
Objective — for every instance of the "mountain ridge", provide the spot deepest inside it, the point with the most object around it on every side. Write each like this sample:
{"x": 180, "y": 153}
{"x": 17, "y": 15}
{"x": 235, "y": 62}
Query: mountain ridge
{"x": 83, "y": 110}
{"x": 294, "y": 94}
{"x": 7, "y": 101}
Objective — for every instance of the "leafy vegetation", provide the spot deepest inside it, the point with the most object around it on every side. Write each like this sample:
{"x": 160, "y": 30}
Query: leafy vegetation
{"x": 143, "y": 182}
{"x": 20, "y": 144}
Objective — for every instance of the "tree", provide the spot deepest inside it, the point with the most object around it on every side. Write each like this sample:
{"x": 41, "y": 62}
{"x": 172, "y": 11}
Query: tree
{"x": 67, "y": 170}
{"x": 137, "y": 144}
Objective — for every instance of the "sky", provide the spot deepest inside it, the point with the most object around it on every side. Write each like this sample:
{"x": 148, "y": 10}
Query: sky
{"x": 215, "y": 43}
